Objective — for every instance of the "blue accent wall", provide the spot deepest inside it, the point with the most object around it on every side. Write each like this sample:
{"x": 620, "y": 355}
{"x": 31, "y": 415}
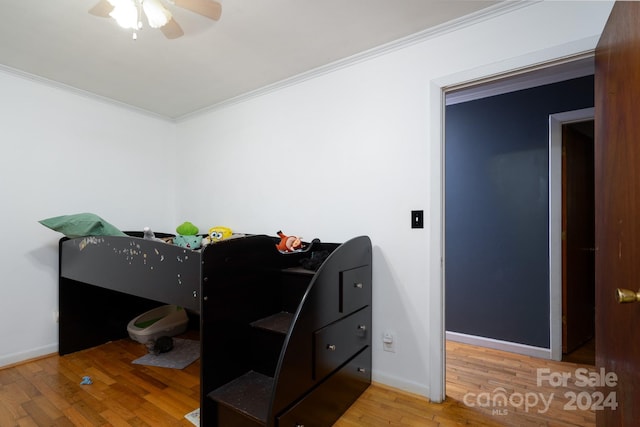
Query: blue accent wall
{"x": 497, "y": 211}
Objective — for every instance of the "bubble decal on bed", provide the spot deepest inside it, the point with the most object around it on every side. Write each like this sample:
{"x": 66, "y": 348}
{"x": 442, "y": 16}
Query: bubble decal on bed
{"x": 135, "y": 266}
{"x": 90, "y": 240}
{"x": 131, "y": 253}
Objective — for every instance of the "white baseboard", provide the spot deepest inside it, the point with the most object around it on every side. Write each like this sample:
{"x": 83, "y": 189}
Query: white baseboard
{"x": 527, "y": 350}
{"x": 12, "y": 359}
{"x": 400, "y": 383}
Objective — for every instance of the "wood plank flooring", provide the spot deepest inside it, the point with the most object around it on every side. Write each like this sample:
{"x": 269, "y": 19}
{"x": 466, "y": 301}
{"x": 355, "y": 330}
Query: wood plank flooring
{"x": 475, "y": 376}
{"x": 47, "y": 392}
{"x": 585, "y": 354}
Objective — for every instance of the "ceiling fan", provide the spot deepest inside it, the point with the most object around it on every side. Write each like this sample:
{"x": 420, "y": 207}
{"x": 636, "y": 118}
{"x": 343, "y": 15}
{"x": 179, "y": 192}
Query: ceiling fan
{"x": 128, "y": 13}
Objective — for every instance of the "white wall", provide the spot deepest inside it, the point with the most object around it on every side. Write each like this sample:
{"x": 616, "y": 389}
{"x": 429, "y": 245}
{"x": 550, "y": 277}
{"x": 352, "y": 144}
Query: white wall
{"x": 346, "y": 153}
{"x": 63, "y": 153}
{"x": 352, "y": 152}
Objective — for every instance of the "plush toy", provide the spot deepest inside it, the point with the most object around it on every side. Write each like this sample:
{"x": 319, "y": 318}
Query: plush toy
{"x": 187, "y": 236}
{"x": 187, "y": 229}
{"x": 216, "y": 234}
{"x": 148, "y": 234}
{"x": 288, "y": 243}
{"x": 219, "y": 233}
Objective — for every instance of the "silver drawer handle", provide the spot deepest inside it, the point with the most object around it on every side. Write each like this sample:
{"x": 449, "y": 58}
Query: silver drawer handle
{"x": 362, "y": 370}
{"x": 362, "y": 327}
{"x": 299, "y": 425}
{"x": 357, "y": 285}
{"x": 331, "y": 347}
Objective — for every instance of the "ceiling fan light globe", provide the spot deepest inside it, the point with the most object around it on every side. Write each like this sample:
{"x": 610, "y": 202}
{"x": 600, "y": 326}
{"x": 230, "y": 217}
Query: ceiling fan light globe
{"x": 125, "y": 13}
{"x": 156, "y": 13}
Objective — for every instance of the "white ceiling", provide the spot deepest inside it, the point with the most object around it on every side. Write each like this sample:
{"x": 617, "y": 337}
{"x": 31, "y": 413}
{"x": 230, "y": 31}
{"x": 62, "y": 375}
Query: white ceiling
{"x": 256, "y": 43}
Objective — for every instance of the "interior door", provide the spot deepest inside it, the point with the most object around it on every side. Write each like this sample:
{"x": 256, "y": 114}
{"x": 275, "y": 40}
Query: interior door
{"x": 617, "y": 210}
{"x": 578, "y": 288}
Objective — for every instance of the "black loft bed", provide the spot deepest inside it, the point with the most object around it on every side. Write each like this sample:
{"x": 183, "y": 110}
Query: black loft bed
{"x": 281, "y": 345}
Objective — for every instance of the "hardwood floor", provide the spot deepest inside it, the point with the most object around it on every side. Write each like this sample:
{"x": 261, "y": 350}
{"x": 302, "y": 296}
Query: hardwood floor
{"x": 480, "y": 370}
{"x": 47, "y": 392}
{"x": 475, "y": 376}
{"x": 585, "y": 354}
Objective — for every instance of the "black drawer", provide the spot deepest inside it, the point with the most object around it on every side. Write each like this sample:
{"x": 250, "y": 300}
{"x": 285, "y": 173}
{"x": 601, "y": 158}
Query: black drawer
{"x": 355, "y": 289}
{"x": 334, "y": 395}
{"x": 339, "y": 341}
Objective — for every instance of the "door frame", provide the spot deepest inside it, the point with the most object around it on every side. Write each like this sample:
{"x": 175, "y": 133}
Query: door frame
{"x": 555, "y": 221}
{"x": 439, "y": 87}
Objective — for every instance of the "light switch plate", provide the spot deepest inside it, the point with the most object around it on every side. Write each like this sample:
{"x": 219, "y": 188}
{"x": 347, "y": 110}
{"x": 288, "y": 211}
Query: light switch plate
{"x": 417, "y": 219}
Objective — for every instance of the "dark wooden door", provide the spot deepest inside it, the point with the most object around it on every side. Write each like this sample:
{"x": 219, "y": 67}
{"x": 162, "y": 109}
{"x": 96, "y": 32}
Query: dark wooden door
{"x": 578, "y": 280}
{"x": 617, "y": 207}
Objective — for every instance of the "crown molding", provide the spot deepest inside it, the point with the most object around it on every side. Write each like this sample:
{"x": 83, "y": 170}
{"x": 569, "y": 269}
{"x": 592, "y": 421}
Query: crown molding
{"x": 80, "y": 92}
{"x": 491, "y": 12}
{"x": 402, "y": 43}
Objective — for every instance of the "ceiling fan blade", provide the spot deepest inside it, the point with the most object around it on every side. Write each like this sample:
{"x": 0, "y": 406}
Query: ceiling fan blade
{"x": 172, "y": 30}
{"x": 102, "y": 9}
{"x": 209, "y": 8}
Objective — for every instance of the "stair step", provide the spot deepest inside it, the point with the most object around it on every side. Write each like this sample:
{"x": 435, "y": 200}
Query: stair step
{"x": 278, "y": 322}
{"x": 248, "y": 394}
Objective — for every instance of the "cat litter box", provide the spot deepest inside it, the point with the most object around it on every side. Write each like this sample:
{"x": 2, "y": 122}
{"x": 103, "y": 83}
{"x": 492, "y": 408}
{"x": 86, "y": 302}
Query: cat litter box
{"x": 167, "y": 320}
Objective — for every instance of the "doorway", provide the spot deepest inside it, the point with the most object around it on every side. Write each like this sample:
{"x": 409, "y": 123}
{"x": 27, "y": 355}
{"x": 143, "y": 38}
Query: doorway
{"x": 528, "y": 71}
{"x": 571, "y": 236}
{"x": 507, "y": 169}
{"x": 497, "y": 209}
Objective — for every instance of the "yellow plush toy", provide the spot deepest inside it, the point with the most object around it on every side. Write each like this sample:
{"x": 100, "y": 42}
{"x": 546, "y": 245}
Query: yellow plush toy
{"x": 219, "y": 233}
{"x": 216, "y": 234}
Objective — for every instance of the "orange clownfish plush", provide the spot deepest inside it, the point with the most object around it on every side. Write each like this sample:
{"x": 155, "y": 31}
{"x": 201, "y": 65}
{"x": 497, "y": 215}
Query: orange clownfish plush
{"x": 288, "y": 243}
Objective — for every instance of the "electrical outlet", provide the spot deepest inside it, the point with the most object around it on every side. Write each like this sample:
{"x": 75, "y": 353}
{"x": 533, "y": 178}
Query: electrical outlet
{"x": 389, "y": 342}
